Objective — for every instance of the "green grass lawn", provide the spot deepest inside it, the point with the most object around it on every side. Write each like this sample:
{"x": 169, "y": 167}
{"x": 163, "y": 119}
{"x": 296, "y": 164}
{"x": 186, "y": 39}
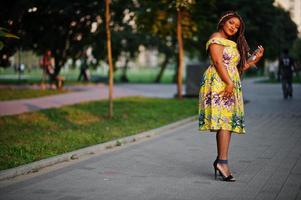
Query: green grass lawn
{"x": 146, "y": 75}
{"x": 142, "y": 75}
{"x": 33, "y": 136}
{"x": 13, "y": 94}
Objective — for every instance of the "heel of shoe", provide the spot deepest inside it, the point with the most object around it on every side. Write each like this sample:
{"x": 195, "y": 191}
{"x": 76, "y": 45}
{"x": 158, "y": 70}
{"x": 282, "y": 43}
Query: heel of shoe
{"x": 215, "y": 168}
{"x": 215, "y": 173}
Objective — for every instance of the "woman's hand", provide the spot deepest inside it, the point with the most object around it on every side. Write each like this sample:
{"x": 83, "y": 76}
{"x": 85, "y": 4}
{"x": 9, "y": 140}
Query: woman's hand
{"x": 228, "y": 91}
{"x": 259, "y": 54}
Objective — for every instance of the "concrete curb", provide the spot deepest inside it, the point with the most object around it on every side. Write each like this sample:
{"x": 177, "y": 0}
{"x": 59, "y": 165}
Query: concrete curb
{"x": 36, "y": 166}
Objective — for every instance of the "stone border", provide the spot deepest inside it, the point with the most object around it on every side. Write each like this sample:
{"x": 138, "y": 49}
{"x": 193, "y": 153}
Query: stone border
{"x": 36, "y": 166}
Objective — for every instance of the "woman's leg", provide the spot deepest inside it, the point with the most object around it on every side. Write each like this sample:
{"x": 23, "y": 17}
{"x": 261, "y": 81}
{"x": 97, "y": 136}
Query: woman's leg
{"x": 223, "y": 138}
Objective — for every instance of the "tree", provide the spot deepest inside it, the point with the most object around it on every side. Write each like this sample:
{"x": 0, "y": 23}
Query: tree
{"x": 62, "y": 27}
{"x": 68, "y": 28}
{"x": 180, "y": 8}
{"x": 170, "y": 21}
{"x": 109, "y": 58}
{"x": 125, "y": 39}
{"x": 152, "y": 22}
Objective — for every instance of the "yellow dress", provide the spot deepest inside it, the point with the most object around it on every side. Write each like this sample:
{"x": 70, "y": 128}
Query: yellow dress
{"x": 215, "y": 112}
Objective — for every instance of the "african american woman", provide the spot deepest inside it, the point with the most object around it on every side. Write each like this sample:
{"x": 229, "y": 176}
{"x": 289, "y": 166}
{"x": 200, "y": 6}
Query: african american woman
{"x": 221, "y": 107}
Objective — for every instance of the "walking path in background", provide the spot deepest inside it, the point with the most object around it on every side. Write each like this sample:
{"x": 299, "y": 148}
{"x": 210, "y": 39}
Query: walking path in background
{"x": 177, "y": 165}
{"x": 85, "y": 93}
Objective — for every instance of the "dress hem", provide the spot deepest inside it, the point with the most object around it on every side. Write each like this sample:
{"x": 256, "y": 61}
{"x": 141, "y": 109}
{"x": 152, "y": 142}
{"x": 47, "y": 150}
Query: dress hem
{"x": 215, "y": 130}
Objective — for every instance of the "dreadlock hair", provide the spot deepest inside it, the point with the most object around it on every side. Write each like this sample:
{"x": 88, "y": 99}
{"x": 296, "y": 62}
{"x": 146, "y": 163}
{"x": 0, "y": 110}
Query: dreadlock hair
{"x": 239, "y": 38}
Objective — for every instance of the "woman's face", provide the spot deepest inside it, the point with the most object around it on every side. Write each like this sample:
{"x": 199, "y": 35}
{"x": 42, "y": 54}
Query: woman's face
{"x": 231, "y": 26}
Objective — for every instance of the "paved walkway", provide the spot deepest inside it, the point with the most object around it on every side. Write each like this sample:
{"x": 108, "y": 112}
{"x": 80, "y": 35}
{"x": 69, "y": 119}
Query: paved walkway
{"x": 85, "y": 93}
{"x": 177, "y": 165}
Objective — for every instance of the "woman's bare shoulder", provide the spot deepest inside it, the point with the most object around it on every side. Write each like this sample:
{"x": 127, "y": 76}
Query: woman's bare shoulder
{"x": 216, "y": 34}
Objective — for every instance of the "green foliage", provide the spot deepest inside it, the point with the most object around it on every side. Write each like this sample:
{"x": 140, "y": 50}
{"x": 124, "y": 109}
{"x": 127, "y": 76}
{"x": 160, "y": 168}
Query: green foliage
{"x": 50, "y": 24}
{"x": 265, "y": 24}
{"x": 159, "y": 20}
{"x": 4, "y": 33}
{"x": 184, "y": 4}
{"x": 55, "y": 131}
{"x": 65, "y": 26}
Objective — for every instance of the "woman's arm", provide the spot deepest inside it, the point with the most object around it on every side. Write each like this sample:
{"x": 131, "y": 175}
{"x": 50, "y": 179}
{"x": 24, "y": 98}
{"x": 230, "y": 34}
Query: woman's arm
{"x": 216, "y": 53}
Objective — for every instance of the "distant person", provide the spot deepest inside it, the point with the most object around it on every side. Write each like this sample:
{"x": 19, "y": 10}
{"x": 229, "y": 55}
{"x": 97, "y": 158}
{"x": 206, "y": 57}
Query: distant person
{"x": 48, "y": 65}
{"x": 221, "y": 107}
{"x": 285, "y": 73}
{"x": 84, "y": 68}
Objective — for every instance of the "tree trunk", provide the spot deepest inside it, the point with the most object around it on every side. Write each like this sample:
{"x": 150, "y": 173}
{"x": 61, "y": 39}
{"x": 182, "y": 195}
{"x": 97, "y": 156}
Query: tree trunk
{"x": 109, "y": 58}
{"x": 163, "y": 67}
{"x": 175, "y": 76}
{"x": 180, "y": 54}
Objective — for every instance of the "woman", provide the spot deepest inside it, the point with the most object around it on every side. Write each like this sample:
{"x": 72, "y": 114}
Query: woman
{"x": 221, "y": 102}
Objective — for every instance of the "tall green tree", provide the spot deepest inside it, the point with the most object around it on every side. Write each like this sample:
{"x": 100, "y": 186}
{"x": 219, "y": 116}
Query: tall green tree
{"x": 158, "y": 19}
{"x": 170, "y": 21}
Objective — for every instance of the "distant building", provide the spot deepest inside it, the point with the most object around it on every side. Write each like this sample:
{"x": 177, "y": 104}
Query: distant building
{"x": 294, "y": 8}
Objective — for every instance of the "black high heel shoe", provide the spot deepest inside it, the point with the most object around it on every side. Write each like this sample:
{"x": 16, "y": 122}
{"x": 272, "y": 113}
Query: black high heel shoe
{"x": 229, "y": 178}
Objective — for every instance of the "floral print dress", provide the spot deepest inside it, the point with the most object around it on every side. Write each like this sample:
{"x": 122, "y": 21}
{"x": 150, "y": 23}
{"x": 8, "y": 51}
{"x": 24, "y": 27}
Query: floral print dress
{"x": 216, "y": 112}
